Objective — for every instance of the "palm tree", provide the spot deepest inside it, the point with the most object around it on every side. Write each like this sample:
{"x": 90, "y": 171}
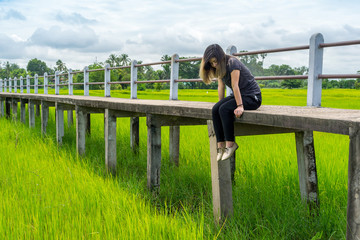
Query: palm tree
{"x": 124, "y": 59}
{"x": 60, "y": 66}
{"x": 113, "y": 60}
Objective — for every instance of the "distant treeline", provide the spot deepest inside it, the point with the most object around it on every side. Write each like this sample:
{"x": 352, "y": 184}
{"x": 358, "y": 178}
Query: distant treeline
{"x": 188, "y": 70}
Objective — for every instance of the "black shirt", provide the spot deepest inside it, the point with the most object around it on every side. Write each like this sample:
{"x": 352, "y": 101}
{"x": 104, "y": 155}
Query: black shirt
{"x": 247, "y": 83}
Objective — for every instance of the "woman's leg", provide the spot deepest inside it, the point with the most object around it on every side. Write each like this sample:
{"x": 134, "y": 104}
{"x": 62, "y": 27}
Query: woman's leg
{"x": 218, "y": 126}
{"x": 227, "y": 116}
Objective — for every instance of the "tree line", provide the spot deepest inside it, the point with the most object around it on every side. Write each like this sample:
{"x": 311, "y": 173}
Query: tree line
{"x": 187, "y": 70}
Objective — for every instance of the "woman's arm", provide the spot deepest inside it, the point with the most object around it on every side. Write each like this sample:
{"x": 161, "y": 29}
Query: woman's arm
{"x": 221, "y": 89}
{"x": 235, "y": 75}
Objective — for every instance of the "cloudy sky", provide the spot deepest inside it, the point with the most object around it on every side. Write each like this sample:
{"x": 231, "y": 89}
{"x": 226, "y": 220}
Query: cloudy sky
{"x": 81, "y": 32}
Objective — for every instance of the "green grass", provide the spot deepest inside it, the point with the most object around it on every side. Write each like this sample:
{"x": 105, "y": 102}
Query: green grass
{"x": 49, "y": 193}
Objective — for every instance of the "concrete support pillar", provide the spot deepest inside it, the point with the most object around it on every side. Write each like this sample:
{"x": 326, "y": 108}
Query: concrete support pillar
{"x": 23, "y": 110}
{"x": 59, "y": 123}
{"x": 80, "y": 130}
{"x": 38, "y": 113}
{"x": 174, "y": 142}
{"x": 221, "y": 181}
{"x": 110, "y": 141}
{"x": 70, "y": 118}
{"x": 31, "y": 113}
{"x": 88, "y": 123}
{"x": 8, "y": 107}
{"x": 44, "y": 116}
{"x": 307, "y": 168}
{"x": 2, "y": 112}
{"x": 14, "y": 109}
{"x": 353, "y": 206}
{"x": 134, "y": 133}
{"x": 153, "y": 152}
{"x": 233, "y": 167}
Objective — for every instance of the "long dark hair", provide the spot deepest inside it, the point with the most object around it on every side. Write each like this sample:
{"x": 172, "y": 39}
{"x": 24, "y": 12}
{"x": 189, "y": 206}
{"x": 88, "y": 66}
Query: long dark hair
{"x": 207, "y": 72}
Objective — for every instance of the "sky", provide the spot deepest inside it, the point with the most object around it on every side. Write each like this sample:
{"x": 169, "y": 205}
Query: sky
{"x": 82, "y": 32}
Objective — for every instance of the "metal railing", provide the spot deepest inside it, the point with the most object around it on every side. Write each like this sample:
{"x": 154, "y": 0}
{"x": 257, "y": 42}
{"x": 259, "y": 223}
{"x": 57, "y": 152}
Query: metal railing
{"x": 314, "y": 76}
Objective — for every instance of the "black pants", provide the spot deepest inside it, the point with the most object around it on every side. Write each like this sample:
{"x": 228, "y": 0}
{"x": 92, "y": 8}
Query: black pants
{"x": 224, "y": 117}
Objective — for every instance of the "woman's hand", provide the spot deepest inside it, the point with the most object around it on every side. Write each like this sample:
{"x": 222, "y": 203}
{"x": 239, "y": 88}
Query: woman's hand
{"x": 239, "y": 111}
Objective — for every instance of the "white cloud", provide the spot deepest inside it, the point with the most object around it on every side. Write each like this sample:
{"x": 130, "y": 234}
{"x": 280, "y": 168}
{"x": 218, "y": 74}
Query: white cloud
{"x": 74, "y": 18}
{"x": 77, "y": 32}
{"x": 10, "y": 49}
{"x": 55, "y": 37}
{"x": 13, "y": 14}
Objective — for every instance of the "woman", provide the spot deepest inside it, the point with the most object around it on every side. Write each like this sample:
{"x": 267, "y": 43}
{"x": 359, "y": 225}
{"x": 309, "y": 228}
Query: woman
{"x": 246, "y": 95}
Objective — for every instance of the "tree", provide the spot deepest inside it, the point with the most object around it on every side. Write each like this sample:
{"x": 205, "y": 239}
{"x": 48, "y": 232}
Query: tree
{"x": 254, "y": 63}
{"x": 36, "y": 66}
{"x": 357, "y": 84}
{"x": 60, "y": 66}
{"x": 276, "y": 70}
{"x": 166, "y": 67}
{"x": 113, "y": 60}
{"x": 124, "y": 59}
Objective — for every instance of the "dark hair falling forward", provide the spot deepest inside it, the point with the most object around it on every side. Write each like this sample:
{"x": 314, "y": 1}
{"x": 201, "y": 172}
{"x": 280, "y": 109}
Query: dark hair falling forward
{"x": 207, "y": 72}
{"x": 214, "y": 51}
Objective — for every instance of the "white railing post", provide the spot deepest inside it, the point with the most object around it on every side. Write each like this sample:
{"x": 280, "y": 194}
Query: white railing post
{"x": 15, "y": 85}
{"x": 57, "y": 80}
{"x": 86, "y": 81}
{"x": 133, "y": 79}
{"x": 27, "y": 84}
{"x": 315, "y": 68}
{"x": 10, "y": 89}
{"x": 21, "y": 84}
{"x": 46, "y": 83}
{"x": 36, "y": 83}
{"x": 70, "y": 86}
{"x": 5, "y": 84}
{"x": 174, "y": 76}
{"x": 230, "y": 51}
{"x": 107, "y": 80}
{"x": 1, "y": 85}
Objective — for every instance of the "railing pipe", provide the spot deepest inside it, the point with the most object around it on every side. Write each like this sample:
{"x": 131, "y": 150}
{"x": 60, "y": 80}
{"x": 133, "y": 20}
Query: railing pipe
{"x": 86, "y": 81}
{"x": 189, "y": 59}
{"x": 174, "y": 75}
{"x": 70, "y": 82}
{"x": 27, "y": 84}
{"x": 107, "y": 74}
{"x": 154, "y": 63}
{"x": 57, "y": 81}
{"x": 304, "y": 47}
{"x": 337, "y": 44}
{"x": 1, "y": 85}
{"x": 315, "y": 69}
{"x": 155, "y": 81}
{"x": 133, "y": 80}
{"x": 322, "y": 76}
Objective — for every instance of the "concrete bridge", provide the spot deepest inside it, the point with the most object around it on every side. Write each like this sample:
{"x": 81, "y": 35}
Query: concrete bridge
{"x": 266, "y": 120}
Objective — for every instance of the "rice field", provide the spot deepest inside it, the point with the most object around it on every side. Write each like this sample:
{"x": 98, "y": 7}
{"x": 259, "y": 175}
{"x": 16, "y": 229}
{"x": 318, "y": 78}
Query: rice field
{"x": 47, "y": 192}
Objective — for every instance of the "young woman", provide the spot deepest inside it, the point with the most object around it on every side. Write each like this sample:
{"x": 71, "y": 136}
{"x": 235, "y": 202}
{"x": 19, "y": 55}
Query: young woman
{"x": 246, "y": 95}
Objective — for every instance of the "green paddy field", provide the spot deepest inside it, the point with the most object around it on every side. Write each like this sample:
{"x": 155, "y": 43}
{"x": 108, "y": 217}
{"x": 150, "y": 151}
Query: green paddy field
{"x": 47, "y": 192}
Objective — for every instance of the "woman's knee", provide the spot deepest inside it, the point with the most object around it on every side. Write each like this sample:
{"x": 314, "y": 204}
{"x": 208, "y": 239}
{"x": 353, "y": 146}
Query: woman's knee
{"x": 224, "y": 110}
{"x": 215, "y": 109}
